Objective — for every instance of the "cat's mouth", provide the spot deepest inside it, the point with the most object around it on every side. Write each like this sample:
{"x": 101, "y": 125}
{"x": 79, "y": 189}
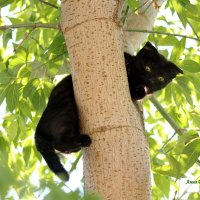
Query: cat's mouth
{"x": 147, "y": 90}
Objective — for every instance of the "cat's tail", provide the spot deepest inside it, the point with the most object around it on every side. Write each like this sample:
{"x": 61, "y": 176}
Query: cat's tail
{"x": 46, "y": 149}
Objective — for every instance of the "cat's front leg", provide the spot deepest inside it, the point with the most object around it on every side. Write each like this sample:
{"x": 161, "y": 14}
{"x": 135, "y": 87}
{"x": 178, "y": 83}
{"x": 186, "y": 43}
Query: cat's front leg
{"x": 85, "y": 140}
{"x": 73, "y": 144}
{"x": 138, "y": 92}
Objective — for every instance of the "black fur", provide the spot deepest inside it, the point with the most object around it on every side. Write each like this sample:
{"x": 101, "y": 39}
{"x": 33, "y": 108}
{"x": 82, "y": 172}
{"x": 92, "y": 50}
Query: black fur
{"x": 148, "y": 71}
{"x": 58, "y": 128}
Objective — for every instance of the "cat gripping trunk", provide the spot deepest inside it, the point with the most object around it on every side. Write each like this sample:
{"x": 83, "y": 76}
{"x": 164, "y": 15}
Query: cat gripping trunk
{"x": 45, "y": 147}
{"x": 58, "y": 128}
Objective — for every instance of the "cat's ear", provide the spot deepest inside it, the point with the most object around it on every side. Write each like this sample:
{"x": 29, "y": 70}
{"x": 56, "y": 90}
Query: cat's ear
{"x": 174, "y": 69}
{"x": 128, "y": 57}
{"x": 149, "y": 47}
{"x": 148, "y": 50}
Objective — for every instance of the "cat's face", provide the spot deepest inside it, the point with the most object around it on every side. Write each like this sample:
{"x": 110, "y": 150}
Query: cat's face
{"x": 152, "y": 70}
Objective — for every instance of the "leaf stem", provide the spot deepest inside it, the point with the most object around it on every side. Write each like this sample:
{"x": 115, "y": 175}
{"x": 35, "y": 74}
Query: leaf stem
{"x": 27, "y": 36}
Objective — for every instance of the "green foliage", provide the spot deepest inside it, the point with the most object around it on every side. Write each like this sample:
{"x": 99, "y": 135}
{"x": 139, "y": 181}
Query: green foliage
{"x": 133, "y": 5}
{"x": 175, "y": 157}
{"x": 31, "y": 58}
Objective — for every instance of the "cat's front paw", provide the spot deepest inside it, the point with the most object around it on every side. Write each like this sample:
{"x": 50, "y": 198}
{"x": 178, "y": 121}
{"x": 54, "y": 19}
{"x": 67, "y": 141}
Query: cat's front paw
{"x": 85, "y": 140}
{"x": 138, "y": 92}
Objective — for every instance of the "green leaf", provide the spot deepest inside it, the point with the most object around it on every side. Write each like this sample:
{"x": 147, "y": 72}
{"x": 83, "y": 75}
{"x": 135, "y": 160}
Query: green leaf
{"x": 48, "y": 88}
{"x": 38, "y": 100}
{"x": 4, "y": 3}
{"x": 12, "y": 130}
{"x": 190, "y": 66}
{"x": 26, "y": 154}
{"x": 133, "y": 4}
{"x": 58, "y": 45}
{"x": 3, "y": 92}
{"x": 25, "y": 108}
{"x": 180, "y": 11}
{"x": 24, "y": 72}
{"x": 196, "y": 118}
{"x": 189, "y": 156}
{"x": 177, "y": 95}
{"x": 2, "y": 66}
{"x": 3, "y": 143}
{"x": 173, "y": 146}
{"x": 22, "y": 125}
{"x": 12, "y": 97}
{"x": 57, "y": 193}
{"x": 194, "y": 196}
{"x": 187, "y": 136}
{"x": 15, "y": 20}
{"x": 178, "y": 50}
{"x": 174, "y": 164}
{"x": 172, "y": 169}
{"x": 196, "y": 82}
{"x": 30, "y": 88}
{"x": 163, "y": 183}
{"x": 168, "y": 41}
{"x": 5, "y": 77}
{"x": 7, "y": 178}
{"x": 185, "y": 89}
{"x": 6, "y": 37}
{"x": 193, "y": 146}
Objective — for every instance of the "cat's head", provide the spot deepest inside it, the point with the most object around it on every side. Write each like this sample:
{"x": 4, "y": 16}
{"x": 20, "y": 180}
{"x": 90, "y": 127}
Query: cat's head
{"x": 152, "y": 70}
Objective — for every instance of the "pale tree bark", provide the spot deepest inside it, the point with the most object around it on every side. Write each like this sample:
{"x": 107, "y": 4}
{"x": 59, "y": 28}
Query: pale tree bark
{"x": 116, "y": 165}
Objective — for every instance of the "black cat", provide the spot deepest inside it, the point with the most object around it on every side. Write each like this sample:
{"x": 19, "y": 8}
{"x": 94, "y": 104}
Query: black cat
{"x": 58, "y": 128}
{"x": 148, "y": 71}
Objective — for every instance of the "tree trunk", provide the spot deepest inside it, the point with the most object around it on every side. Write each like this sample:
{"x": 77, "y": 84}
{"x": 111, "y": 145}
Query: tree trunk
{"x": 116, "y": 165}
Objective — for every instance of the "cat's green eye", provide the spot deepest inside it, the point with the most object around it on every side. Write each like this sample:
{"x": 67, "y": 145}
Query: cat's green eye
{"x": 160, "y": 78}
{"x": 148, "y": 69}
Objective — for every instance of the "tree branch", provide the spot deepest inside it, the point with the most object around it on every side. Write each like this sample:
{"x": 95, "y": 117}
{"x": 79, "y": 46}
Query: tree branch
{"x": 161, "y": 33}
{"x": 57, "y": 26}
{"x": 30, "y": 25}
{"x": 163, "y": 112}
{"x": 15, "y": 49}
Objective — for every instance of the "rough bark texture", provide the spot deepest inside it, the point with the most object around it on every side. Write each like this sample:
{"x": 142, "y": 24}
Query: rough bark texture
{"x": 117, "y": 163}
